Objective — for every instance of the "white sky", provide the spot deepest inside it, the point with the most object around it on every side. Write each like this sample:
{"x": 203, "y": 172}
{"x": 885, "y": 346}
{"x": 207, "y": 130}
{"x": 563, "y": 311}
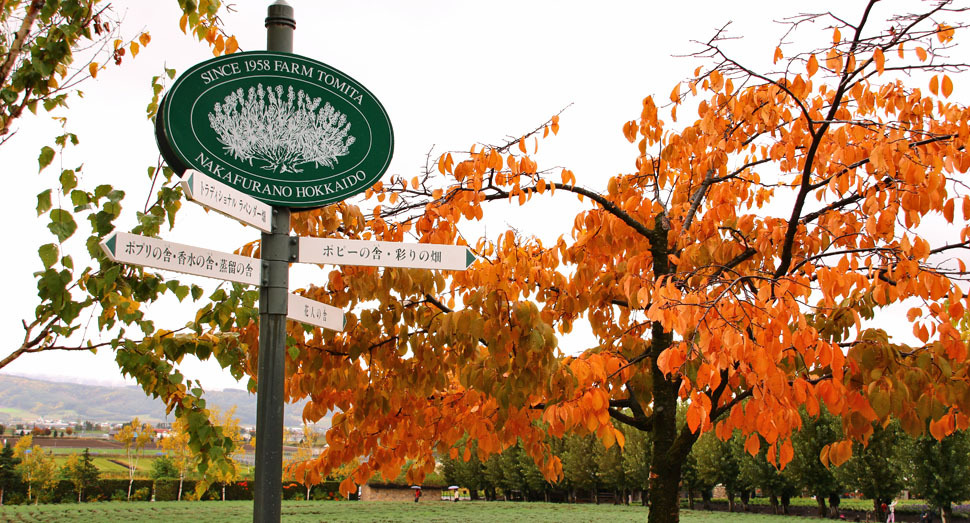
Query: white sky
{"x": 450, "y": 74}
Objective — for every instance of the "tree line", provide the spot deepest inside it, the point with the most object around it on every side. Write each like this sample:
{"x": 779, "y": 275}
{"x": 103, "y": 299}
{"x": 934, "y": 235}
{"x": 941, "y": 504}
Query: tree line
{"x": 935, "y": 470}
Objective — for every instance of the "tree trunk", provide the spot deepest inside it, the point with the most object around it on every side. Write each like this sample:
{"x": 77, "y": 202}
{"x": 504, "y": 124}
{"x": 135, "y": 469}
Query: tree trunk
{"x": 223, "y": 491}
{"x": 644, "y": 497}
{"x": 821, "y": 505}
{"x": 181, "y": 478}
{"x": 773, "y": 500}
{"x": 730, "y": 496}
{"x": 131, "y": 480}
{"x": 670, "y": 449}
{"x": 946, "y": 514}
{"x": 745, "y": 497}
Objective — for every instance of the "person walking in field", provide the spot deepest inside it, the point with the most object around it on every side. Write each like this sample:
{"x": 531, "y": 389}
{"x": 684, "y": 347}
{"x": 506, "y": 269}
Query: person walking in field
{"x": 417, "y": 495}
{"x": 892, "y": 512}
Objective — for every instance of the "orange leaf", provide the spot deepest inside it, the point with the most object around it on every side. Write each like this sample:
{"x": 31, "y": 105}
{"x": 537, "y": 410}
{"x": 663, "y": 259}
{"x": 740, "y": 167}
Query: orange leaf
{"x": 231, "y": 45}
{"x": 693, "y": 417}
{"x": 134, "y": 49}
{"x": 900, "y": 50}
{"x": 414, "y": 182}
{"x": 93, "y": 69}
{"x": 921, "y": 54}
{"x": 630, "y": 131}
{"x": 555, "y": 124}
{"x": 812, "y": 66}
{"x": 183, "y": 23}
{"x": 840, "y": 452}
{"x": 944, "y": 33}
{"x": 787, "y": 452}
{"x": 752, "y": 445}
{"x": 778, "y": 54}
{"x": 880, "y": 60}
{"x": 522, "y": 145}
{"x": 947, "y": 86}
{"x": 144, "y": 38}
{"x": 675, "y": 94}
{"x": 836, "y": 36}
{"x": 935, "y": 85}
{"x": 347, "y": 487}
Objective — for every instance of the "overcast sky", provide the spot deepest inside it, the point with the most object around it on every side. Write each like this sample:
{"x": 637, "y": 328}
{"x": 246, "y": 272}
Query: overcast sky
{"x": 449, "y": 73}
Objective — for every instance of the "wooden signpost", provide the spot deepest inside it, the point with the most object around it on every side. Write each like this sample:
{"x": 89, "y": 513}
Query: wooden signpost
{"x": 334, "y": 141}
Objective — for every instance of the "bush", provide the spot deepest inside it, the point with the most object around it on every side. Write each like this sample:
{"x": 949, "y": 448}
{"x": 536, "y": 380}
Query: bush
{"x": 168, "y": 489}
{"x": 142, "y": 494}
{"x": 119, "y": 495}
{"x": 14, "y": 498}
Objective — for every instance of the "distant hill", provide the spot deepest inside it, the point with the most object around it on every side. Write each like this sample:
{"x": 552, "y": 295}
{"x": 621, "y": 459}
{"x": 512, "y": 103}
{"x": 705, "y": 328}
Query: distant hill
{"x": 29, "y": 399}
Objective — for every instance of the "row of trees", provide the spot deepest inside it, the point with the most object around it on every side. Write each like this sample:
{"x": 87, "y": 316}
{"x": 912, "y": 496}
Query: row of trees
{"x": 29, "y": 464}
{"x": 937, "y": 470}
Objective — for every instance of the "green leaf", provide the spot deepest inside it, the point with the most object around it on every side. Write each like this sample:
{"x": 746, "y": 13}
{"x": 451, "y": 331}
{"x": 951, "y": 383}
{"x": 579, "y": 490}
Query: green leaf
{"x": 196, "y": 292}
{"x": 68, "y": 180}
{"x": 43, "y": 202}
{"x": 45, "y": 158}
{"x": 294, "y": 352}
{"x": 62, "y": 224}
{"x": 48, "y": 254}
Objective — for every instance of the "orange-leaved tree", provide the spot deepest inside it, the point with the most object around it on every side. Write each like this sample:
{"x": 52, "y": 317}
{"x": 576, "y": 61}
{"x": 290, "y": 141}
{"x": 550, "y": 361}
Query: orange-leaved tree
{"x": 737, "y": 270}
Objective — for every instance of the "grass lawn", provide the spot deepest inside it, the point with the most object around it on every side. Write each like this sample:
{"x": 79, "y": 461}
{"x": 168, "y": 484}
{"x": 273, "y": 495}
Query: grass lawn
{"x": 293, "y": 511}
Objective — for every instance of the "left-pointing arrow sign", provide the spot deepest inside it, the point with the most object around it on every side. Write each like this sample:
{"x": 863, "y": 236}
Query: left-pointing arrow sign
{"x": 221, "y": 198}
{"x": 313, "y": 312}
{"x": 134, "y": 249}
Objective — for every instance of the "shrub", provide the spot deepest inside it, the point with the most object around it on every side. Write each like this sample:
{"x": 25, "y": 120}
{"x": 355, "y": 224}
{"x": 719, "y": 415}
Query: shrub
{"x": 142, "y": 494}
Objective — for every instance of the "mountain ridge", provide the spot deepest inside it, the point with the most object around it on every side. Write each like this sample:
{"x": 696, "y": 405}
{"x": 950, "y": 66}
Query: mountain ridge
{"x": 28, "y": 399}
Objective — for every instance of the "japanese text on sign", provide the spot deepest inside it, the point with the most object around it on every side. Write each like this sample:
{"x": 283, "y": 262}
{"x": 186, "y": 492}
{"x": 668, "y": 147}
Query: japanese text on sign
{"x": 385, "y": 254}
{"x": 161, "y": 254}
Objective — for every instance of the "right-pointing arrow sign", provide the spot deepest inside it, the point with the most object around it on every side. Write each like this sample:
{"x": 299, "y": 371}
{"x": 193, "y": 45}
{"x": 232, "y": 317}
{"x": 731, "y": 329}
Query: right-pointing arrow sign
{"x": 313, "y": 312}
{"x": 385, "y": 254}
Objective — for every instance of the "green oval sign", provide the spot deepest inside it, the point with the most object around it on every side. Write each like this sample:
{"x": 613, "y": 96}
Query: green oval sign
{"x": 288, "y": 130}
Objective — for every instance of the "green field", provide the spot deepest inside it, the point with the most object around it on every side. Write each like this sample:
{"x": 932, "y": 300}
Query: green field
{"x": 472, "y": 511}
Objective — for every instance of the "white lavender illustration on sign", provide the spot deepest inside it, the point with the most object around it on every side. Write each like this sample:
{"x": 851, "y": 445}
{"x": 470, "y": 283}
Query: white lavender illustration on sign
{"x": 284, "y": 133}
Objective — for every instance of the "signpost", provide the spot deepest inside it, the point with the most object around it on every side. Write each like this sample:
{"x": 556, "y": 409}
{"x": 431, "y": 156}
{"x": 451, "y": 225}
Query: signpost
{"x": 255, "y": 135}
{"x": 123, "y": 247}
{"x": 224, "y": 199}
{"x": 385, "y": 254}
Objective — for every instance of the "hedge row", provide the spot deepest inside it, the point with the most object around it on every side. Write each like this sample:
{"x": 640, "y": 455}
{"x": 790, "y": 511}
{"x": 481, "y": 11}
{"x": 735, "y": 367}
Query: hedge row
{"x": 164, "y": 490}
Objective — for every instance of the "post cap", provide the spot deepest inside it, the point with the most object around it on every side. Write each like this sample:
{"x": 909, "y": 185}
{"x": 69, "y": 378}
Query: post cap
{"x": 280, "y": 13}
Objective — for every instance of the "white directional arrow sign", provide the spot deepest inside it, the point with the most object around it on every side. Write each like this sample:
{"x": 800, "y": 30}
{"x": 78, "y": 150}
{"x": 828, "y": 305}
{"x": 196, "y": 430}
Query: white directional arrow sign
{"x": 385, "y": 254}
{"x": 315, "y": 313}
{"x": 221, "y": 198}
{"x": 124, "y": 247}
